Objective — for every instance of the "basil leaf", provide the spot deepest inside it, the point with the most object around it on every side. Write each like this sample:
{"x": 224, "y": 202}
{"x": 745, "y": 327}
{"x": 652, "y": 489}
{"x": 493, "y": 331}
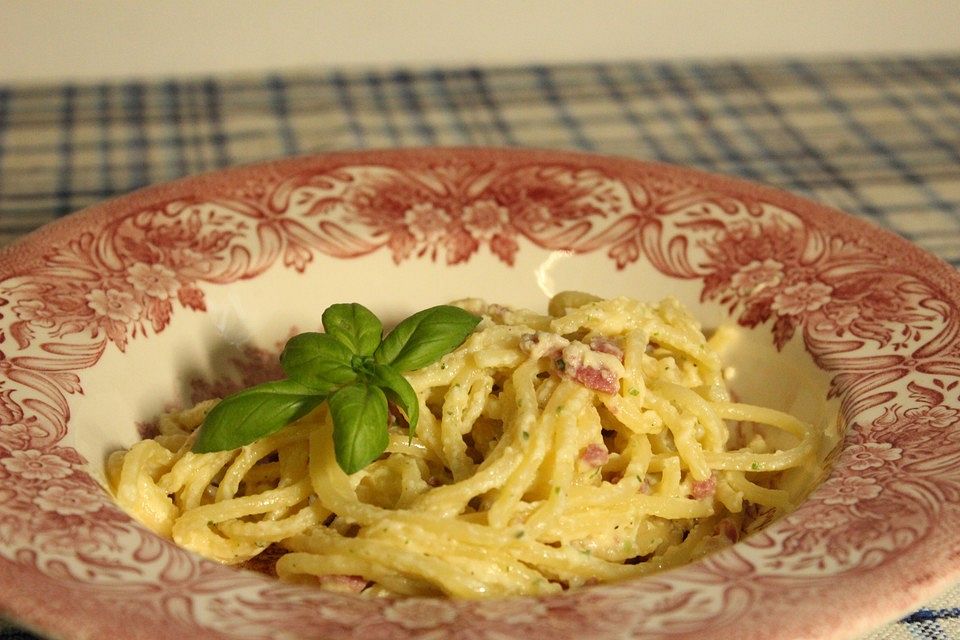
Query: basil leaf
{"x": 399, "y": 392}
{"x": 425, "y": 336}
{"x": 359, "y": 413}
{"x": 253, "y": 413}
{"x": 318, "y": 361}
{"x": 355, "y": 326}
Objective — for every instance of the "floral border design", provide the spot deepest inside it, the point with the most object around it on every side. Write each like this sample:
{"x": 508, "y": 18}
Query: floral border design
{"x": 884, "y": 325}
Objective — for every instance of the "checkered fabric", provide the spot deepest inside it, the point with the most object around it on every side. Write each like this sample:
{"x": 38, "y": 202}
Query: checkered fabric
{"x": 876, "y": 137}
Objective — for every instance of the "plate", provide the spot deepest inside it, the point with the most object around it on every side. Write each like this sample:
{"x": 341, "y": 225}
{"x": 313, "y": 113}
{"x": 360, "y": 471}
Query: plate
{"x": 111, "y": 314}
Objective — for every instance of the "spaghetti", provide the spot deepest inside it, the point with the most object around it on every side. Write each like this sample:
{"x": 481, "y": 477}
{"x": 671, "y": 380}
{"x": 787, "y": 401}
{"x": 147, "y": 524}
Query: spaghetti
{"x": 596, "y": 443}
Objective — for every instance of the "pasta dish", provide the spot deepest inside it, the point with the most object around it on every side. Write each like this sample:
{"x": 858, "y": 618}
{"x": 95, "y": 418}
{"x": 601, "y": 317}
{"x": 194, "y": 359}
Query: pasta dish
{"x": 595, "y": 443}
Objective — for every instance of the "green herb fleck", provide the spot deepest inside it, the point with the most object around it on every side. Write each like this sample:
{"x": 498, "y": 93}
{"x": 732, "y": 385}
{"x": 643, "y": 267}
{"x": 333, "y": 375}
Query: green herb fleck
{"x": 352, "y": 368}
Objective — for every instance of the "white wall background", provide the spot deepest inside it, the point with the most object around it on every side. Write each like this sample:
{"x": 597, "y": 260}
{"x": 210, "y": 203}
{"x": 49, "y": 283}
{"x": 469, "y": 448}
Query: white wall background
{"x": 95, "y": 39}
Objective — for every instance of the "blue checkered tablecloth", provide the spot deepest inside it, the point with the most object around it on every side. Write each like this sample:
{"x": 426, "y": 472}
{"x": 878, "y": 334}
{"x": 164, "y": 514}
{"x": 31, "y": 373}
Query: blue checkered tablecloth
{"x": 876, "y": 137}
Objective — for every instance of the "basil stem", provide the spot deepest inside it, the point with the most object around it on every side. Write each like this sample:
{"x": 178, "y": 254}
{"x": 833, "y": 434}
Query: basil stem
{"x": 399, "y": 392}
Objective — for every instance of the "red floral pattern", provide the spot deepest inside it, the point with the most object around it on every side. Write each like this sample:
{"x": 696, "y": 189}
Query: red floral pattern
{"x": 878, "y": 315}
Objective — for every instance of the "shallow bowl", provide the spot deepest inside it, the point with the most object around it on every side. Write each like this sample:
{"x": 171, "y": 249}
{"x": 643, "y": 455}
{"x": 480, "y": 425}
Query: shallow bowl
{"x": 112, "y": 314}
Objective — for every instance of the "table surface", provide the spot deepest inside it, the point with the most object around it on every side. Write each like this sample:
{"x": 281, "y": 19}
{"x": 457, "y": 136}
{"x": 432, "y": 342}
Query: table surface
{"x": 876, "y": 137}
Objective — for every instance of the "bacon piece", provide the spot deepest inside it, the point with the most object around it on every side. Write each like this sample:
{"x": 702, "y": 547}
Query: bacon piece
{"x": 703, "y": 488}
{"x": 603, "y": 344}
{"x": 729, "y": 530}
{"x": 598, "y": 379}
{"x": 542, "y": 343}
{"x": 498, "y": 312}
{"x": 343, "y": 583}
{"x": 595, "y": 455}
{"x": 594, "y": 370}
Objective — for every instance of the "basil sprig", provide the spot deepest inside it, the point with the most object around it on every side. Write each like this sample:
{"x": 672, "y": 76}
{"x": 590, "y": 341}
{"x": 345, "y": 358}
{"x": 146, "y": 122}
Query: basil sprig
{"x": 353, "y": 368}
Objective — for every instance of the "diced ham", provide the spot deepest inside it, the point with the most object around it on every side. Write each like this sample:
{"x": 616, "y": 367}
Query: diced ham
{"x": 700, "y": 489}
{"x": 595, "y": 455}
